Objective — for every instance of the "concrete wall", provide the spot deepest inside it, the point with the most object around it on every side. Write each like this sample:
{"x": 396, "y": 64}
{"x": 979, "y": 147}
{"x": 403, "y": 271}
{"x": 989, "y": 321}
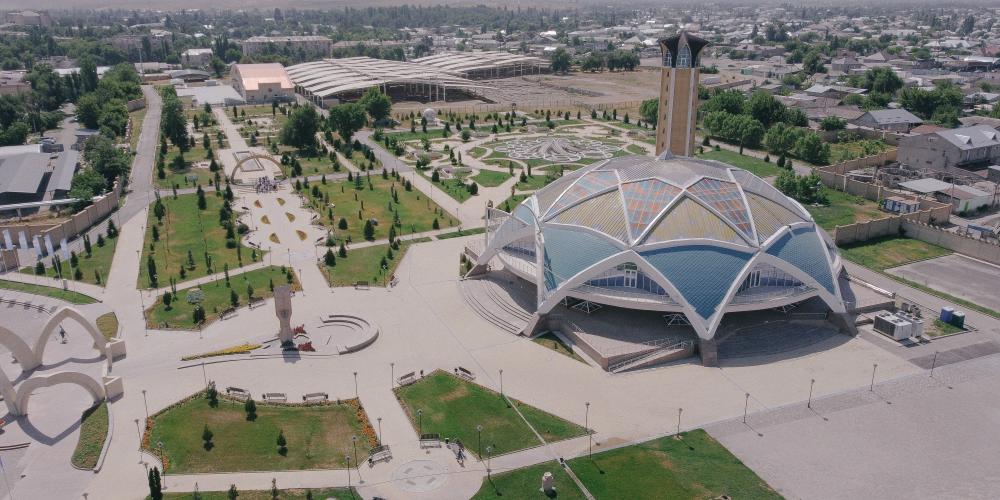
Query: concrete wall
{"x": 136, "y": 104}
{"x": 8, "y": 259}
{"x": 965, "y": 245}
{"x": 71, "y": 227}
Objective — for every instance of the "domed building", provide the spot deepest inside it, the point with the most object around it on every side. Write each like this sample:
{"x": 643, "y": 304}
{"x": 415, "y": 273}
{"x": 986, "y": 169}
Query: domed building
{"x": 690, "y": 238}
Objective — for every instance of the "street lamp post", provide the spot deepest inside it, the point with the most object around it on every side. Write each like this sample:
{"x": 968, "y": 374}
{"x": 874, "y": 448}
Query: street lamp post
{"x": 392, "y": 375}
{"x": 746, "y": 405}
{"x": 479, "y": 437}
{"x": 679, "y": 411}
{"x": 380, "y": 431}
{"x": 501, "y": 382}
{"x": 356, "y": 387}
{"x": 872, "y": 386}
{"x": 420, "y": 422}
{"x": 354, "y": 440}
{"x": 145, "y": 404}
{"x": 812, "y": 382}
{"x": 586, "y": 427}
{"x": 489, "y": 455}
{"x": 348, "y": 459}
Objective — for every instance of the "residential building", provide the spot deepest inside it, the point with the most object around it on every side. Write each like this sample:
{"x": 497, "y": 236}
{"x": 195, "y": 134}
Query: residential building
{"x": 196, "y": 58}
{"x": 29, "y": 18}
{"x": 13, "y": 82}
{"x": 966, "y": 147}
{"x": 895, "y": 120}
{"x": 308, "y": 44}
{"x": 262, "y": 82}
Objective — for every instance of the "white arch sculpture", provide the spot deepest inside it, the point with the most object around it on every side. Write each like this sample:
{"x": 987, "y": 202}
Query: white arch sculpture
{"x": 20, "y": 406}
{"x": 30, "y": 357}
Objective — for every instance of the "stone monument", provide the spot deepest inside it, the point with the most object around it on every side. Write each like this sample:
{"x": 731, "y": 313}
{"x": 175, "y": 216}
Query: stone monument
{"x": 283, "y": 309}
{"x": 548, "y": 484}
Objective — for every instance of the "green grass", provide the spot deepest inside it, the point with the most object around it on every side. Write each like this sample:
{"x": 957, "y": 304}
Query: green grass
{"x": 843, "y": 209}
{"x": 453, "y": 408}
{"x": 216, "y": 298}
{"x": 491, "y": 178}
{"x": 136, "y": 117}
{"x": 183, "y": 178}
{"x": 185, "y": 228}
{"x": 477, "y": 152}
{"x": 526, "y": 483}
{"x": 695, "y": 467}
{"x": 843, "y": 151}
{"x": 454, "y": 187}
{"x": 756, "y": 166}
{"x": 318, "y": 437}
{"x": 416, "y": 211}
{"x": 883, "y": 253}
{"x": 365, "y": 264}
{"x": 550, "y": 341}
{"x": 289, "y": 494}
{"x": 461, "y": 233}
{"x": 416, "y": 135}
{"x": 636, "y": 149}
{"x": 99, "y": 263}
{"x": 93, "y": 432}
{"x": 47, "y": 291}
{"x": 537, "y": 180}
{"x": 107, "y": 323}
{"x": 940, "y": 328}
{"x": 512, "y": 202}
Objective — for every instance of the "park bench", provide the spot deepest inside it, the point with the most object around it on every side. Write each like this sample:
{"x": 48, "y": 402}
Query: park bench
{"x": 466, "y": 374}
{"x": 407, "y": 379}
{"x": 378, "y": 454}
{"x": 361, "y": 285}
{"x": 237, "y": 393}
{"x": 228, "y": 313}
{"x": 256, "y": 301}
{"x": 393, "y": 281}
{"x": 430, "y": 440}
{"x": 316, "y": 396}
{"x": 275, "y": 397}
{"x": 28, "y": 305}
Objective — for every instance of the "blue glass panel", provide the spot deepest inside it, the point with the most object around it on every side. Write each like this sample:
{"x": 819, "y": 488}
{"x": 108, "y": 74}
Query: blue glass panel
{"x": 567, "y": 252}
{"x": 703, "y": 274}
{"x": 803, "y": 249}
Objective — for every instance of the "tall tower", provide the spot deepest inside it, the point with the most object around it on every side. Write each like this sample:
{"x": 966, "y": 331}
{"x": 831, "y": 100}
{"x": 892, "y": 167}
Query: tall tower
{"x": 678, "y": 111}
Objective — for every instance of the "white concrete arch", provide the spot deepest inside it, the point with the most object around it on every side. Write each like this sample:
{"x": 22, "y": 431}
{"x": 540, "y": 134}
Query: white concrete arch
{"x": 64, "y": 313}
{"x": 24, "y": 354}
{"x": 93, "y": 387}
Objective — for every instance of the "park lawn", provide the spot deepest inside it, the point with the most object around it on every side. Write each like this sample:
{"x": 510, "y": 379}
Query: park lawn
{"x": 526, "y": 483}
{"x": 491, "y": 178}
{"x": 135, "y": 118}
{"x": 47, "y": 291}
{"x": 93, "y": 432}
{"x": 99, "y": 263}
{"x": 417, "y": 135}
{"x": 755, "y": 166}
{"x": 535, "y": 181}
{"x": 107, "y": 323}
{"x": 843, "y": 209}
{"x": 314, "y": 165}
{"x": 512, "y": 202}
{"x": 453, "y": 407}
{"x": 289, "y": 494}
{"x": 358, "y": 159}
{"x": 186, "y": 228}
{"x": 416, "y": 211}
{"x": 454, "y": 187}
{"x": 365, "y": 264}
{"x": 461, "y": 232}
{"x": 190, "y": 176}
{"x": 318, "y": 436}
{"x": 635, "y": 149}
{"x": 550, "y": 341}
{"x": 843, "y": 151}
{"x": 883, "y": 253}
{"x": 217, "y": 298}
{"x": 477, "y": 151}
{"x": 695, "y": 467}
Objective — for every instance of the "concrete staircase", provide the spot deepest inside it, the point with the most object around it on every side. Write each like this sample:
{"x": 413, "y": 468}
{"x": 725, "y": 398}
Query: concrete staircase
{"x": 494, "y": 304}
{"x": 658, "y": 354}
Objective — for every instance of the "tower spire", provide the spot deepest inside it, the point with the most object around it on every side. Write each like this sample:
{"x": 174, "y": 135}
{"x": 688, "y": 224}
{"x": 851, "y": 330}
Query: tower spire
{"x": 678, "y": 110}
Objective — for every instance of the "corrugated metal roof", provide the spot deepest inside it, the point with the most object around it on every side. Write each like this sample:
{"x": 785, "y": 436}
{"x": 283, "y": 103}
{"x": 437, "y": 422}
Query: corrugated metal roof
{"x": 62, "y": 176}
{"x": 925, "y": 186}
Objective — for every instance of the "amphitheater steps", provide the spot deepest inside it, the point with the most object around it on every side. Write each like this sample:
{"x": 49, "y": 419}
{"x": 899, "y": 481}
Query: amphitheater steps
{"x": 482, "y": 297}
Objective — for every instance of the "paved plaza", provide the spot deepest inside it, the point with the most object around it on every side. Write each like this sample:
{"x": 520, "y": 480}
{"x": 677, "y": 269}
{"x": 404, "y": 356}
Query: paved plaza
{"x": 425, "y": 324}
{"x": 957, "y": 275}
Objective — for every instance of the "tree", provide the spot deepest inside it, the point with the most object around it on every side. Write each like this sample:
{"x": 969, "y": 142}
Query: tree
{"x": 650, "y": 110}
{"x": 167, "y": 299}
{"x": 282, "y": 443}
{"x": 730, "y": 101}
{"x": 202, "y": 202}
{"x": 812, "y": 63}
{"x": 300, "y": 129}
{"x": 151, "y": 271}
{"x": 234, "y": 299}
{"x": 561, "y": 61}
{"x": 377, "y": 104}
{"x": 173, "y": 121}
{"x": 830, "y": 123}
{"x": 206, "y": 438}
{"x": 883, "y": 80}
{"x": 329, "y": 258}
{"x": 232, "y": 493}
{"x": 593, "y": 62}
{"x": 250, "y": 407}
{"x": 155, "y": 487}
{"x": 812, "y": 149}
{"x": 369, "y": 230}
{"x": 765, "y": 108}
{"x": 218, "y": 66}
{"x": 85, "y": 186}
{"x": 347, "y": 119}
